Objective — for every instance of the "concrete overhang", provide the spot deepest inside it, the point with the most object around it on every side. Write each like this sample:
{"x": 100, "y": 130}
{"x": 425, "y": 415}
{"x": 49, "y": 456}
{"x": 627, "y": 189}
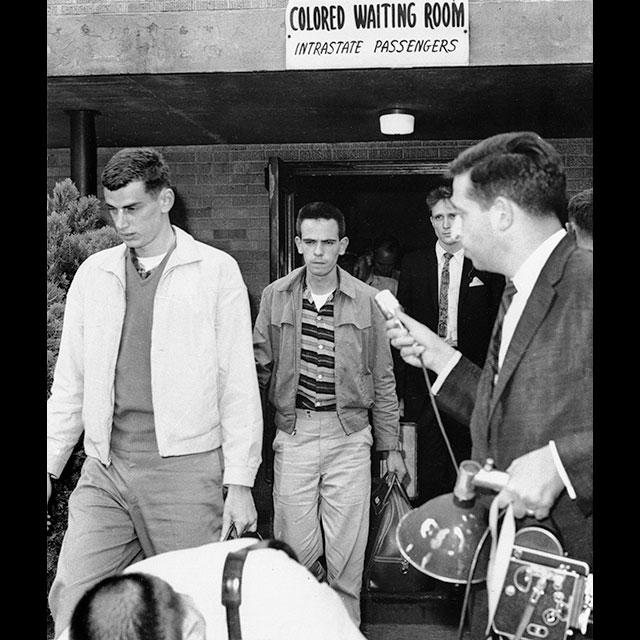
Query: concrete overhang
{"x": 271, "y": 107}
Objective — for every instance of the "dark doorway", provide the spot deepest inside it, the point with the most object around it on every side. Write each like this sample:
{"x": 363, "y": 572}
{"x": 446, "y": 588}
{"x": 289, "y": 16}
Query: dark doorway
{"x": 374, "y": 206}
{"x": 384, "y": 198}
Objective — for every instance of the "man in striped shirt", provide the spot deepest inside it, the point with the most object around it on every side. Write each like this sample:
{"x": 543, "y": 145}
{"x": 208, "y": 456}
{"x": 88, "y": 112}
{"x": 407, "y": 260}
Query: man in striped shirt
{"x": 322, "y": 354}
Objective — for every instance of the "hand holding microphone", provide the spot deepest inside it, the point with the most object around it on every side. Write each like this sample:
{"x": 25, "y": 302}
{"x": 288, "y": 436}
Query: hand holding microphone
{"x": 418, "y": 345}
{"x": 396, "y": 331}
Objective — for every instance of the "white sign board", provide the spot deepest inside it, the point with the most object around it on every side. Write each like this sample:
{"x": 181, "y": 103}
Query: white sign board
{"x": 347, "y": 34}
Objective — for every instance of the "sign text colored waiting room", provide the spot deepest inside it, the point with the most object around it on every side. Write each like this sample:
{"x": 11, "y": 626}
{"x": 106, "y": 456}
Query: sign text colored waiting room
{"x": 350, "y": 34}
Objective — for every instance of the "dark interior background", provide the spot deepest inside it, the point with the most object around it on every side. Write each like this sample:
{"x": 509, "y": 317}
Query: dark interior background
{"x": 374, "y": 206}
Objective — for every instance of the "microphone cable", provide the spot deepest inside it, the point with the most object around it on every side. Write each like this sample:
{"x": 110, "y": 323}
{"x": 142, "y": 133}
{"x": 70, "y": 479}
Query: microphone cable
{"x": 438, "y": 418}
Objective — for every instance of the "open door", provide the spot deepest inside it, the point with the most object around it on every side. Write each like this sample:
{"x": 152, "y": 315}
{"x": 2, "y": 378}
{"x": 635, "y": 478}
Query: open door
{"x": 280, "y": 183}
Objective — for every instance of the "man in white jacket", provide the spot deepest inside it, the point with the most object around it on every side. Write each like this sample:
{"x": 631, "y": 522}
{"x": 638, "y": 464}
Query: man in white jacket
{"x": 179, "y": 593}
{"x": 156, "y": 367}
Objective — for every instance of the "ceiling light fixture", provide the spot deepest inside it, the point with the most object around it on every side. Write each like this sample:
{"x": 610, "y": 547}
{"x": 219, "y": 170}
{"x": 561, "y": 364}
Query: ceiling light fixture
{"x": 396, "y": 122}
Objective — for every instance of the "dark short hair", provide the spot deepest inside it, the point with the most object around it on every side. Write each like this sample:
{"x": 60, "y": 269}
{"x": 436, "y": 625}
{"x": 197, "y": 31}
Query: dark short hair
{"x": 324, "y": 211}
{"x": 520, "y": 166}
{"x": 443, "y": 192}
{"x": 580, "y": 210}
{"x": 130, "y": 165}
{"x": 132, "y": 606}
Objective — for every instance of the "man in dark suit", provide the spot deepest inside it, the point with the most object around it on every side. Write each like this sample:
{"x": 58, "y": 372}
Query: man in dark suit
{"x": 530, "y": 407}
{"x": 440, "y": 287}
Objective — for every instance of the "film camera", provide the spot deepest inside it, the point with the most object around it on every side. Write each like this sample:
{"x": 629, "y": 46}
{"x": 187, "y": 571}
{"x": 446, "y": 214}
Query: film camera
{"x": 545, "y": 594}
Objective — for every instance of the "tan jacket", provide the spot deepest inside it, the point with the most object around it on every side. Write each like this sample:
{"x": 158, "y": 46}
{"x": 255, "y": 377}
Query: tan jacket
{"x": 363, "y": 365}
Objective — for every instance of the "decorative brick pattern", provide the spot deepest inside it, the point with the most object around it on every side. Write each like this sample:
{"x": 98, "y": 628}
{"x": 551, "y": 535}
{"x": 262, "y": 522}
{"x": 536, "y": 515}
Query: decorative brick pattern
{"x": 222, "y": 187}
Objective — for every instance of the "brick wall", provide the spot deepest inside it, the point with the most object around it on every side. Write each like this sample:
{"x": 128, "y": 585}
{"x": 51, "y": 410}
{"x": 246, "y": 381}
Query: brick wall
{"x": 222, "y": 189}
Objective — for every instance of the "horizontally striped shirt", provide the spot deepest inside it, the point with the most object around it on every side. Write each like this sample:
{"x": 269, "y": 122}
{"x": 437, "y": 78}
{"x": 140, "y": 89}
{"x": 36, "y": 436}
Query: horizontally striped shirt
{"x": 317, "y": 382}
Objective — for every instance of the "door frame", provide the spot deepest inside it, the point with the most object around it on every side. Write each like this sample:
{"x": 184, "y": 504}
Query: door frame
{"x": 280, "y": 181}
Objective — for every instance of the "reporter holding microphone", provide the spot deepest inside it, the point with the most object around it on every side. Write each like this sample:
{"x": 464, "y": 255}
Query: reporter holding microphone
{"x": 530, "y": 407}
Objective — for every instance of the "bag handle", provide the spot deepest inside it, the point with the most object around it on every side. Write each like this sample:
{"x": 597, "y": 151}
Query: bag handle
{"x": 402, "y": 488}
{"x": 231, "y": 594}
{"x": 391, "y": 478}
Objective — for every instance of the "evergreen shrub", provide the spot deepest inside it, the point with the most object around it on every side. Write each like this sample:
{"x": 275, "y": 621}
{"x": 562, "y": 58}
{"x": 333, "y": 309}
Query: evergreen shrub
{"x": 75, "y": 229}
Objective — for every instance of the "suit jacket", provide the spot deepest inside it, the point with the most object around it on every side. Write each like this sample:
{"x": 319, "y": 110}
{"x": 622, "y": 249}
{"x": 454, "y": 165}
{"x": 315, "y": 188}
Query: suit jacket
{"x": 477, "y": 308}
{"x": 544, "y": 390}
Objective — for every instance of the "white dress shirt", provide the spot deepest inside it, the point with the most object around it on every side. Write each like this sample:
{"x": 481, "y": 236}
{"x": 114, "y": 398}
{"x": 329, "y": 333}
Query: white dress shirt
{"x": 524, "y": 280}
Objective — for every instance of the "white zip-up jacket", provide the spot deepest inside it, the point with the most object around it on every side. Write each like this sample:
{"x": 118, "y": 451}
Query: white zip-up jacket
{"x": 203, "y": 376}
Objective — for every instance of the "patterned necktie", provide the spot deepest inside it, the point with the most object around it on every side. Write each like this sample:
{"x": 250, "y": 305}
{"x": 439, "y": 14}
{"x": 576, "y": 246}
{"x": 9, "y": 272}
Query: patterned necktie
{"x": 443, "y": 311}
{"x": 494, "y": 346}
{"x": 144, "y": 274}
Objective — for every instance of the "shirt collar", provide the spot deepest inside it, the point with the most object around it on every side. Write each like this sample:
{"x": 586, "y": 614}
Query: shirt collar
{"x": 139, "y": 262}
{"x": 526, "y": 276}
{"x": 306, "y": 289}
{"x": 457, "y": 255}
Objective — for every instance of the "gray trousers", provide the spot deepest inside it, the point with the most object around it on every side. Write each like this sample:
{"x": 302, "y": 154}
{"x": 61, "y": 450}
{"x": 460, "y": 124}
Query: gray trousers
{"x": 141, "y": 505}
{"x": 321, "y": 494}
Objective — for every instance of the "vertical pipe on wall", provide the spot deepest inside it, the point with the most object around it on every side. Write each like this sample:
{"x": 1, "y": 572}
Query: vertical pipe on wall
{"x": 84, "y": 153}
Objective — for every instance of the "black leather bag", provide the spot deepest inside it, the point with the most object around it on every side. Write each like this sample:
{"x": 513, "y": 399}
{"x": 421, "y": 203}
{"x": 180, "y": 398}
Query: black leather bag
{"x": 386, "y": 571}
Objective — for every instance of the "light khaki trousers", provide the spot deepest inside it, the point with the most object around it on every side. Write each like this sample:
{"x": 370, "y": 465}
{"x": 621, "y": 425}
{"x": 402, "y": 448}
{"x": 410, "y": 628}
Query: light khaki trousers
{"x": 321, "y": 494}
{"x": 139, "y": 506}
